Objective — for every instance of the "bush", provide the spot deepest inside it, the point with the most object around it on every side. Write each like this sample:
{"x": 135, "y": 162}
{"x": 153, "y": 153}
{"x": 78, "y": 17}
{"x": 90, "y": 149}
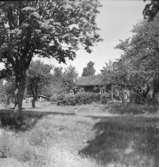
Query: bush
{"x": 53, "y": 98}
{"x": 79, "y": 98}
{"x": 104, "y": 98}
{"x": 60, "y": 98}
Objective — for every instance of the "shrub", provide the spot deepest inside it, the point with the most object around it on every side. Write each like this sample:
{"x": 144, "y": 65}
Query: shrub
{"x": 137, "y": 98}
{"x": 104, "y": 98}
{"x": 79, "y": 98}
{"x": 53, "y": 98}
{"x": 60, "y": 98}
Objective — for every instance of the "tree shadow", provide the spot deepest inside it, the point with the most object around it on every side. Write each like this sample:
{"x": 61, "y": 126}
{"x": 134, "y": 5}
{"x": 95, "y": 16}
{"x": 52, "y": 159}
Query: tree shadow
{"x": 11, "y": 120}
{"x": 125, "y": 140}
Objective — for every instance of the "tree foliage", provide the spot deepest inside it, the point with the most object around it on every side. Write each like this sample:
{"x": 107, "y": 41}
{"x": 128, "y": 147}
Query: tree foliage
{"x": 44, "y": 28}
{"x": 63, "y": 80}
{"x": 151, "y": 9}
{"x": 115, "y": 73}
{"x": 89, "y": 69}
{"x": 140, "y": 57}
{"x": 69, "y": 78}
{"x": 38, "y": 79}
{"x": 56, "y": 85}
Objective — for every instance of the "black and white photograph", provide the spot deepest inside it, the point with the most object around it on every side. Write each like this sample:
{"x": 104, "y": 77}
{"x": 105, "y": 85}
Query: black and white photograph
{"x": 79, "y": 83}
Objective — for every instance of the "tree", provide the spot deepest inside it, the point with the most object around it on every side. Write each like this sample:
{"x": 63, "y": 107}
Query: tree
{"x": 107, "y": 73}
{"x": 3, "y": 93}
{"x": 141, "y": 53}
{"x": 58, "y": 74}
{"x": 9, "y": 89}
{"x": 57, "y": 81}
{"x": 44, "y": 28}
{"x": 69, "y": 78}
{"x": 89, "y": 69}
{"x": 114, "y": 74}
{"x": 37, "y": 79}
{"x": 63, "y": 80}
{"x": 151, "y": 9}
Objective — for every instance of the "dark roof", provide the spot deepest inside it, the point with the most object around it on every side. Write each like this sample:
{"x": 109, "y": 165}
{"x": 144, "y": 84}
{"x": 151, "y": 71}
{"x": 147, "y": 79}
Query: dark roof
{"x": 90, "y": 81}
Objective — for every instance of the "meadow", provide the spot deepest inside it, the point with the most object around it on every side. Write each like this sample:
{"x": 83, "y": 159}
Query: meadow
{"x": 76, "y": 136}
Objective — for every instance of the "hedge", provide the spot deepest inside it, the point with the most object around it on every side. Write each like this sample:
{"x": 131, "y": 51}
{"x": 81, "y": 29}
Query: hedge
{"x": 79, "y": 98}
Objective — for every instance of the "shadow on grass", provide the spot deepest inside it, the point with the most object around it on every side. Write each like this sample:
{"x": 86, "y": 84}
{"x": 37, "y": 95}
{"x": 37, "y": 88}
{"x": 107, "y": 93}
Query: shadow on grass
{"x": 131, "y": 108}
{"x": 11, "y": 120}
{"x": 127, "y": 140}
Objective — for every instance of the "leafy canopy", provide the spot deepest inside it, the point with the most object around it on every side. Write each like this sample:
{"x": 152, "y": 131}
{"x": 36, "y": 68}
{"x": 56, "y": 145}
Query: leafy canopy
{"x": 69, "y": 78}
{"x": 89, "y": 69}
{"x": 38, "y": 78}
{"x": 140, "y": 59}
{"x": 45, "y": 28}
{"x": 151, "y": 9}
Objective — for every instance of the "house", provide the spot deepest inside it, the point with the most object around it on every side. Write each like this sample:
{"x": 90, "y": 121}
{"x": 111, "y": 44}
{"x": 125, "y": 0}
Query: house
{"x": 92, "y": 83}
{"x": 97, "y": 84}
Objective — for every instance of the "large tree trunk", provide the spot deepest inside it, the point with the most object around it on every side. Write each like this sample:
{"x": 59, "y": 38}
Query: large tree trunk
{"x": 19, "y": 93}
{"x": 155, "y": 89}
{"x": 155, "y": 97}
{"x": 112, "y": 92}
{"x": 34, "y": 91}
{"x": 155, "y": 92}
{"x": 33, "y": 102}
{"x": 122, "y": 96}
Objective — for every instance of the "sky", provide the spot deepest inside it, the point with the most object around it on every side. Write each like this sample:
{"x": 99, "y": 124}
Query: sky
{"x": 116, "y": 20}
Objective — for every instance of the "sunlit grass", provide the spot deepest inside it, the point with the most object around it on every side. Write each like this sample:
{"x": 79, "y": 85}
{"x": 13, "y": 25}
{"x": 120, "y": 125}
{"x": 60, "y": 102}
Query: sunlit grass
{"x": 53, "y": 142}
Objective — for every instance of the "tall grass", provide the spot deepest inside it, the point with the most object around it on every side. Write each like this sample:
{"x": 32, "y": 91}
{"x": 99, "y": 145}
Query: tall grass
{"x": 41, "y": 146}
{"x": 61, "y": 157}
{"x": 20, "y": 153}
{"x": 55, "y": 141}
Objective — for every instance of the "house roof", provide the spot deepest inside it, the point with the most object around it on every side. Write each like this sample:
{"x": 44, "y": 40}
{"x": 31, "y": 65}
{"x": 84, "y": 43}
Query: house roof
{"x": 90, "y": 81}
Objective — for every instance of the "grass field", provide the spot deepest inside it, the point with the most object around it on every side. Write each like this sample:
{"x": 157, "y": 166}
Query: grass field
{"x": 62, "y": 136}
